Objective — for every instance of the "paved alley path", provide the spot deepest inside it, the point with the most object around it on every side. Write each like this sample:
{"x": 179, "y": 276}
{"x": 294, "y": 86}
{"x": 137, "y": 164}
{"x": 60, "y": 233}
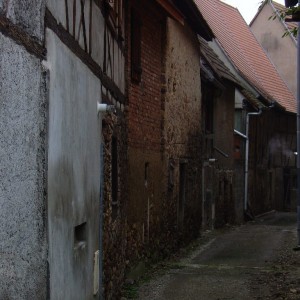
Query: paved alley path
{"x": 254, "y": 261}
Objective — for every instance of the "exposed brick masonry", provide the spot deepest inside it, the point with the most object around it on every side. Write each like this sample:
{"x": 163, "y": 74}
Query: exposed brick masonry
{"x": 145, "y": 97}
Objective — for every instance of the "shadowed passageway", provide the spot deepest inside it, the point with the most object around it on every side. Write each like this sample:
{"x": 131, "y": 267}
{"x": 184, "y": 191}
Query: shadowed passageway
{"x": 254, "y": 261}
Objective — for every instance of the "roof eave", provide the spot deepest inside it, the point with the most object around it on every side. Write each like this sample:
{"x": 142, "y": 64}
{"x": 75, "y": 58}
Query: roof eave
{"x": 195, "y": 19}
{"x": 172, "y": 10}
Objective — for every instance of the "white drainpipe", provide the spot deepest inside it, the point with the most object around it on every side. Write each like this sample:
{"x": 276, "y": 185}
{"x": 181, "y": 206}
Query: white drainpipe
{"x": 102, "y": 108}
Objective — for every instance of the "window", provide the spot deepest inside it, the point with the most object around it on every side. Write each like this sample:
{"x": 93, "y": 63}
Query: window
{"x": 136, "y": 69}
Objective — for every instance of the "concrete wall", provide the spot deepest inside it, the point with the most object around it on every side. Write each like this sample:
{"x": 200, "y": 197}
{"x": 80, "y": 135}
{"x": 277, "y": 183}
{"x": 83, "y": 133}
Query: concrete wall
{"x": 23, "y": 115}
{"x": 281, "y": 51}
{"x": 73, "y": 173}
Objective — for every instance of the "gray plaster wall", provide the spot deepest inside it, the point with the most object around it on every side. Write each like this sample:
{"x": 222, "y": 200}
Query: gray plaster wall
{"x": 28, "y": 14}
{"x": 23, "y": 246}
{"x": 73, "y": 173}
{"x": 281, "y": 51}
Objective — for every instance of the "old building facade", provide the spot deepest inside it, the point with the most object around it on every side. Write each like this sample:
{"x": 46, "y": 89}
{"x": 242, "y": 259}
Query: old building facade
{"x": 88, "y": 195}
{"x": 164, "y": 128}
{"x": 281, "y": 51}
{"x": 102, "y": 188}
{"x": 71, "y": 56}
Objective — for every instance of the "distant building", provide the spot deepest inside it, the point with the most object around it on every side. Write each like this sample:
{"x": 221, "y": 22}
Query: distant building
{"x": 272, "y": 132}
{"x": 282, "y": 51}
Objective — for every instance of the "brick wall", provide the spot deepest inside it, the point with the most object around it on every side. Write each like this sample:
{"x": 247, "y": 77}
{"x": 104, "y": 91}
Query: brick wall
{"x": 144, "y": 105}
{"x": 144, "y": 121}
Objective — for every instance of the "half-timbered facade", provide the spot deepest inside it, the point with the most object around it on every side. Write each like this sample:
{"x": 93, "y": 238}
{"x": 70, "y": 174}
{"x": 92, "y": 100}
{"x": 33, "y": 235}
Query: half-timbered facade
{"x": 71, "y": 57}
{"x": 85, "y": 43}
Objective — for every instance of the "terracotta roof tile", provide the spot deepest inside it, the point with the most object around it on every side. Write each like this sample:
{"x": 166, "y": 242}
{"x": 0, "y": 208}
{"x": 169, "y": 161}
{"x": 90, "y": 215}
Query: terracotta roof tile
{"x": 237, "y": 40}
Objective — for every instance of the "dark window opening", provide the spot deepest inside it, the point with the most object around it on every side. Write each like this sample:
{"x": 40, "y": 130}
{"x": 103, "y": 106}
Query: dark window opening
{"x": 136, "y": 68}
{"x": 182, "y": 193}
{"x": 80, "y": 236}
{"x": 146, "y": 175}
{"x": 114, "y": 176}
{"x": 208, "y": 108}
{"x": 209, "y": 116}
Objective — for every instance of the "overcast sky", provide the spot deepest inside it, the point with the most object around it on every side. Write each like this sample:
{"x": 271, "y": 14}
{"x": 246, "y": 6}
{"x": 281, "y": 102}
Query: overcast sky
{"x": 247, "y": 8}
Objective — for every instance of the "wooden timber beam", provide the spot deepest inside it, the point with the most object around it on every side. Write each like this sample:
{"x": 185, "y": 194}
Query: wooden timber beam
{"x": 171, "y": 10}
{"x": 84, "y": 56}
{"x": 21, "y": 37}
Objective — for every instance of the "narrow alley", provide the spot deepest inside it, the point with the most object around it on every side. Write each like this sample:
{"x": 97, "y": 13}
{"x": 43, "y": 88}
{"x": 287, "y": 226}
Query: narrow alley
{"x": 254, "y": 261}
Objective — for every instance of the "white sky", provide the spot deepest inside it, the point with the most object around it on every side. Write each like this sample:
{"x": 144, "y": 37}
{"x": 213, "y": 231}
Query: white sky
{"x": 247, "y": 8}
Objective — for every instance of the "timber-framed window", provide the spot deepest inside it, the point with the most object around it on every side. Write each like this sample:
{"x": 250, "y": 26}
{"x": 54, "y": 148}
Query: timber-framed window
{"x": 136, "y": 45}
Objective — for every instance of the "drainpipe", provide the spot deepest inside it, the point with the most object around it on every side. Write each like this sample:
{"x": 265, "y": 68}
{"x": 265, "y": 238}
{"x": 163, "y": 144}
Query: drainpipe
{"x": 247, "y": 157}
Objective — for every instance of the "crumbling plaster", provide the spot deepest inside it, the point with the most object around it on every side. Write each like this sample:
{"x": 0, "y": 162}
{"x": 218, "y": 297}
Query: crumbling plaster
{"x": 29, "y": 14}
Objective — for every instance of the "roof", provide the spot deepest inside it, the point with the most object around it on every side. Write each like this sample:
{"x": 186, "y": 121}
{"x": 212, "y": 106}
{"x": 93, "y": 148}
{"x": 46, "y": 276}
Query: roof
{"x": 223, "y": 71}
{"x": 242, "y": 48}
{"x": 278, "y": 7}
{"x": 181, "y": 10}
{"x": 216, "y": 63}
{"x": 194, "y": 17}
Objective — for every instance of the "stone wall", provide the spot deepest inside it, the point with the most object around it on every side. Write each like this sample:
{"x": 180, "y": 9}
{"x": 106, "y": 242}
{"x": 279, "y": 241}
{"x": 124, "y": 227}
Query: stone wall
{"x": 115, "y": 177}
{"x": 182, "y": 132}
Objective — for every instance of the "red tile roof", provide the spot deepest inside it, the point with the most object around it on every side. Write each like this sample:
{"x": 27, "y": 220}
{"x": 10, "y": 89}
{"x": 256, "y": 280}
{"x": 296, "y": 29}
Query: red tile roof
{"x": 237, "y": 40}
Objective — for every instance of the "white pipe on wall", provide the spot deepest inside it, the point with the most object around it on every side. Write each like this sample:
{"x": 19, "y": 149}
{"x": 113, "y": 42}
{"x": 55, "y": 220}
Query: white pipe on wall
{"x": 102, "y": 107}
